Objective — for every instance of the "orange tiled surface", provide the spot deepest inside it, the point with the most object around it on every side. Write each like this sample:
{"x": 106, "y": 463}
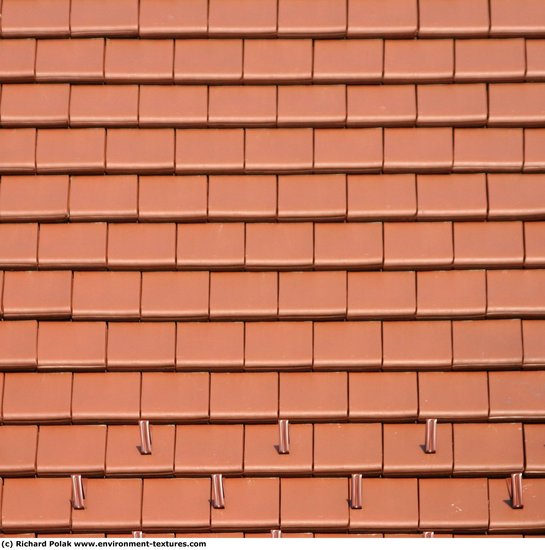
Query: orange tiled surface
{"x": 216, "y": 215}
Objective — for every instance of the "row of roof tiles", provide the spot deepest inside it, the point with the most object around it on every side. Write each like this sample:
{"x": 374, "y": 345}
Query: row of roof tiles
{"x": 370, "y": 448}
{"x": 273, "y": 17}
{"x": 278, "y": 60}
{"x": 269, "y": 295}
{"x": 236, "y": 245}
{"x": 258, "y": 503}
{"x": 306, "y": 105}
{"x": 95, "y": 150}
{"x": 367, "y": 345}
{"x": 266, "y": 396}
{"x": 268, "y": 197}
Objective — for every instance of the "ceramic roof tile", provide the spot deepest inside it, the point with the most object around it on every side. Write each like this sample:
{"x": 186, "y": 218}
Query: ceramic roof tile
{"x": 17, "y": 146}
{"x": 488, "y": 448}
{"x": 75, "y": 449}
{"x": 532, "y": 335}
{"x": 278, "y": 345}
{"x": 516, "y": 394}
{"x": 103, "y": 197}
{"x": 515, "y": 195}
{"x": 311, "y": 17}
{"x": 387, "y": 504}
{"x": 178, "y": 503}
{"x": 515, "y": 292}
{"x": 17, "y": 59}
{"x": 535, "y": 67}
{"x": 170, "y": 17}
{"x": 241, "y": 17}
{"x": 509, "y": 18}
{"x": 18, "y": 454}
{"x": 534, "y": 448}
{"x": 381, "y": 294}
{"x": 37, "y": 17}
{"x": 348, "y": 245}
{"x": 458, "y": 18}
{"x": 77, "y": 60}
{"x": 104, "y": 105}
{"x": 381, "y": 105}
{"x": 242, "y": 197}
{"x": 49, "y": 401}
{"x": 209, "y": 449}
{"x": 453, "y": 395}
{"x": 66, "y": 344}
{"x": 516, "y": 104}
{"x": 261, "y": 454}
{"x": 377, "y": 18}
{"x": 404, "y": 450}
{"x": 348, "y": 60}
{"x": 100, "y": 17}
{"x": 210, "y": 345}
{"x": 347, "y": 448}
{"x": 347, "y": 345}
{"x": 174, "y": 397}
{"x": 18, "y": 343}
{"x": 18, "y": 244}
{"x": 533, "y": 150}
{"x": 450, "y": 293}
{"x": 317, "y": 395}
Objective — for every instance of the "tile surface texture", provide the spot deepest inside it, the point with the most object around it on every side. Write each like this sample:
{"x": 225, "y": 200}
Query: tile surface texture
{"x": 303, "y": 239}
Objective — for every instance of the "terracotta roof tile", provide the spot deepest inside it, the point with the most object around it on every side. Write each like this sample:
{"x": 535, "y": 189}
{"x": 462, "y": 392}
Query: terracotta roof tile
{"x": 515, "y": 292}
{"x": 488, "y": 448}
{"x": 419, "y": 344}
{"x": 347, "y": 345}
{"x": 535, "y": 68}
{"x": 37, "y": 17}
{"x": 17, "y": 149}
{"x": 170, "y": 17}
{"x": 404, "y": 450}
{"x": 100, "y": 17}
{"x": 193, "y": 150}
{"x": 490, "y": 344}
{"x": 515, "y": 196}
{"x": 66, "y": 344}
{"x": 50, "y": 400}
{"x": 279, "y": 245}
{"x": 103, "y": 197}
{"x": 18, "y": 244}
{"x": 18, "y": 343}
{"x": 242, "y": 18}
{"x": 452, "y": 196}
{"x": 174, "y": 397}
{"x": 533, "y": 150}
{"x": 378, "y": 18}
{"x": 534, "y": 448}
{"x": 244, "y": 396}
{"x": 216, "y": 60}
{"x": 17, "y": 59}
{"x": 77, "y": 60}
{"x": 347, "y": 448}
{"x": 75, "y": 449}
{"x": 348, "y": 60}
{"x": 381, "y": 105}
{"x": 311, "y": 17}
{"x": 458, "y": 18}
{"x": 178, "y": 503}
{"x": 18, "y": 454}
{"x": 516, "y": 394}
{"x": 261, "y": 454}
{"x": 278, "y": 345}
{"x": 220, "y": 245}
{"x": 210, "y": 345}
{"x": 104, "y": 105}
{"x": 381, "y": 196}
{"x": 508, "y": 18}
{"x": 42, "y": 504}
{"x": 516, "y": 104}
{"x": 317, "y": 395}
{"x": 209, "y": 449}
{"x": 453, "y": 504}
{"x": 249, "y": 503}
{"x": 532, "y": 338}
{"x": 314, "y": 503}
{"x": 112, "y": 295}
{"x": 381, "y": 294}
{"x": 112, "y": 396}
{"x": 141, "y": 345}
{"x": 387, "y": 504}
{"x": 72, "y": 245}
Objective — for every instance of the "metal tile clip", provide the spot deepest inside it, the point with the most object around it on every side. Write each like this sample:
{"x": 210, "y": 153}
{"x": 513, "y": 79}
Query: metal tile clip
{"x": 276, "y": 534}
{"x": 283, "y": 437}
{"x": 431, "y": 436}
{"x": 137, "y": 535}
{"x": 218, "y": 496}
{"x": 78, "y": 493}
{"x": 428, "y": 534}
{"x": 515, "y": 491}
{"x": 145, "y": 437}
{"x": 356, "y": 492}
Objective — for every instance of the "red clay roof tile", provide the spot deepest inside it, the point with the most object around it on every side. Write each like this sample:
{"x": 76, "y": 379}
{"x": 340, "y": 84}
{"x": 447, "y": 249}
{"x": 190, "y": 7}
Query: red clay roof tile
{"x": 37, "y": 17}
{"x": 311, "y": 17}
{"x": 535, "y": 67}
{"x": 100, "y": 17}
{"x": 18, "y": 244}
{"x": 248, "y": 105}
{"x": 516, "y": 104}
{"x": 17, "y": 150}
{"x": 515, "y": 292}
{"x": 242, "y": 17}
{"x": 534, "y": 448}
{"x": 510, "y": 18}
{"x": 458, "y": 18}
{"x": 379, "y": 18}
{"x": 17, "y": 59}
{"x": 173, "y": 18}
{"x": 18, "y": 450}
{"x": 515, "y": 196}
{"x": 532, "y": 339}
{"x": 534, "y": 140}
{"x": 18, "y": 344}
{"x": 516, "y": 394}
